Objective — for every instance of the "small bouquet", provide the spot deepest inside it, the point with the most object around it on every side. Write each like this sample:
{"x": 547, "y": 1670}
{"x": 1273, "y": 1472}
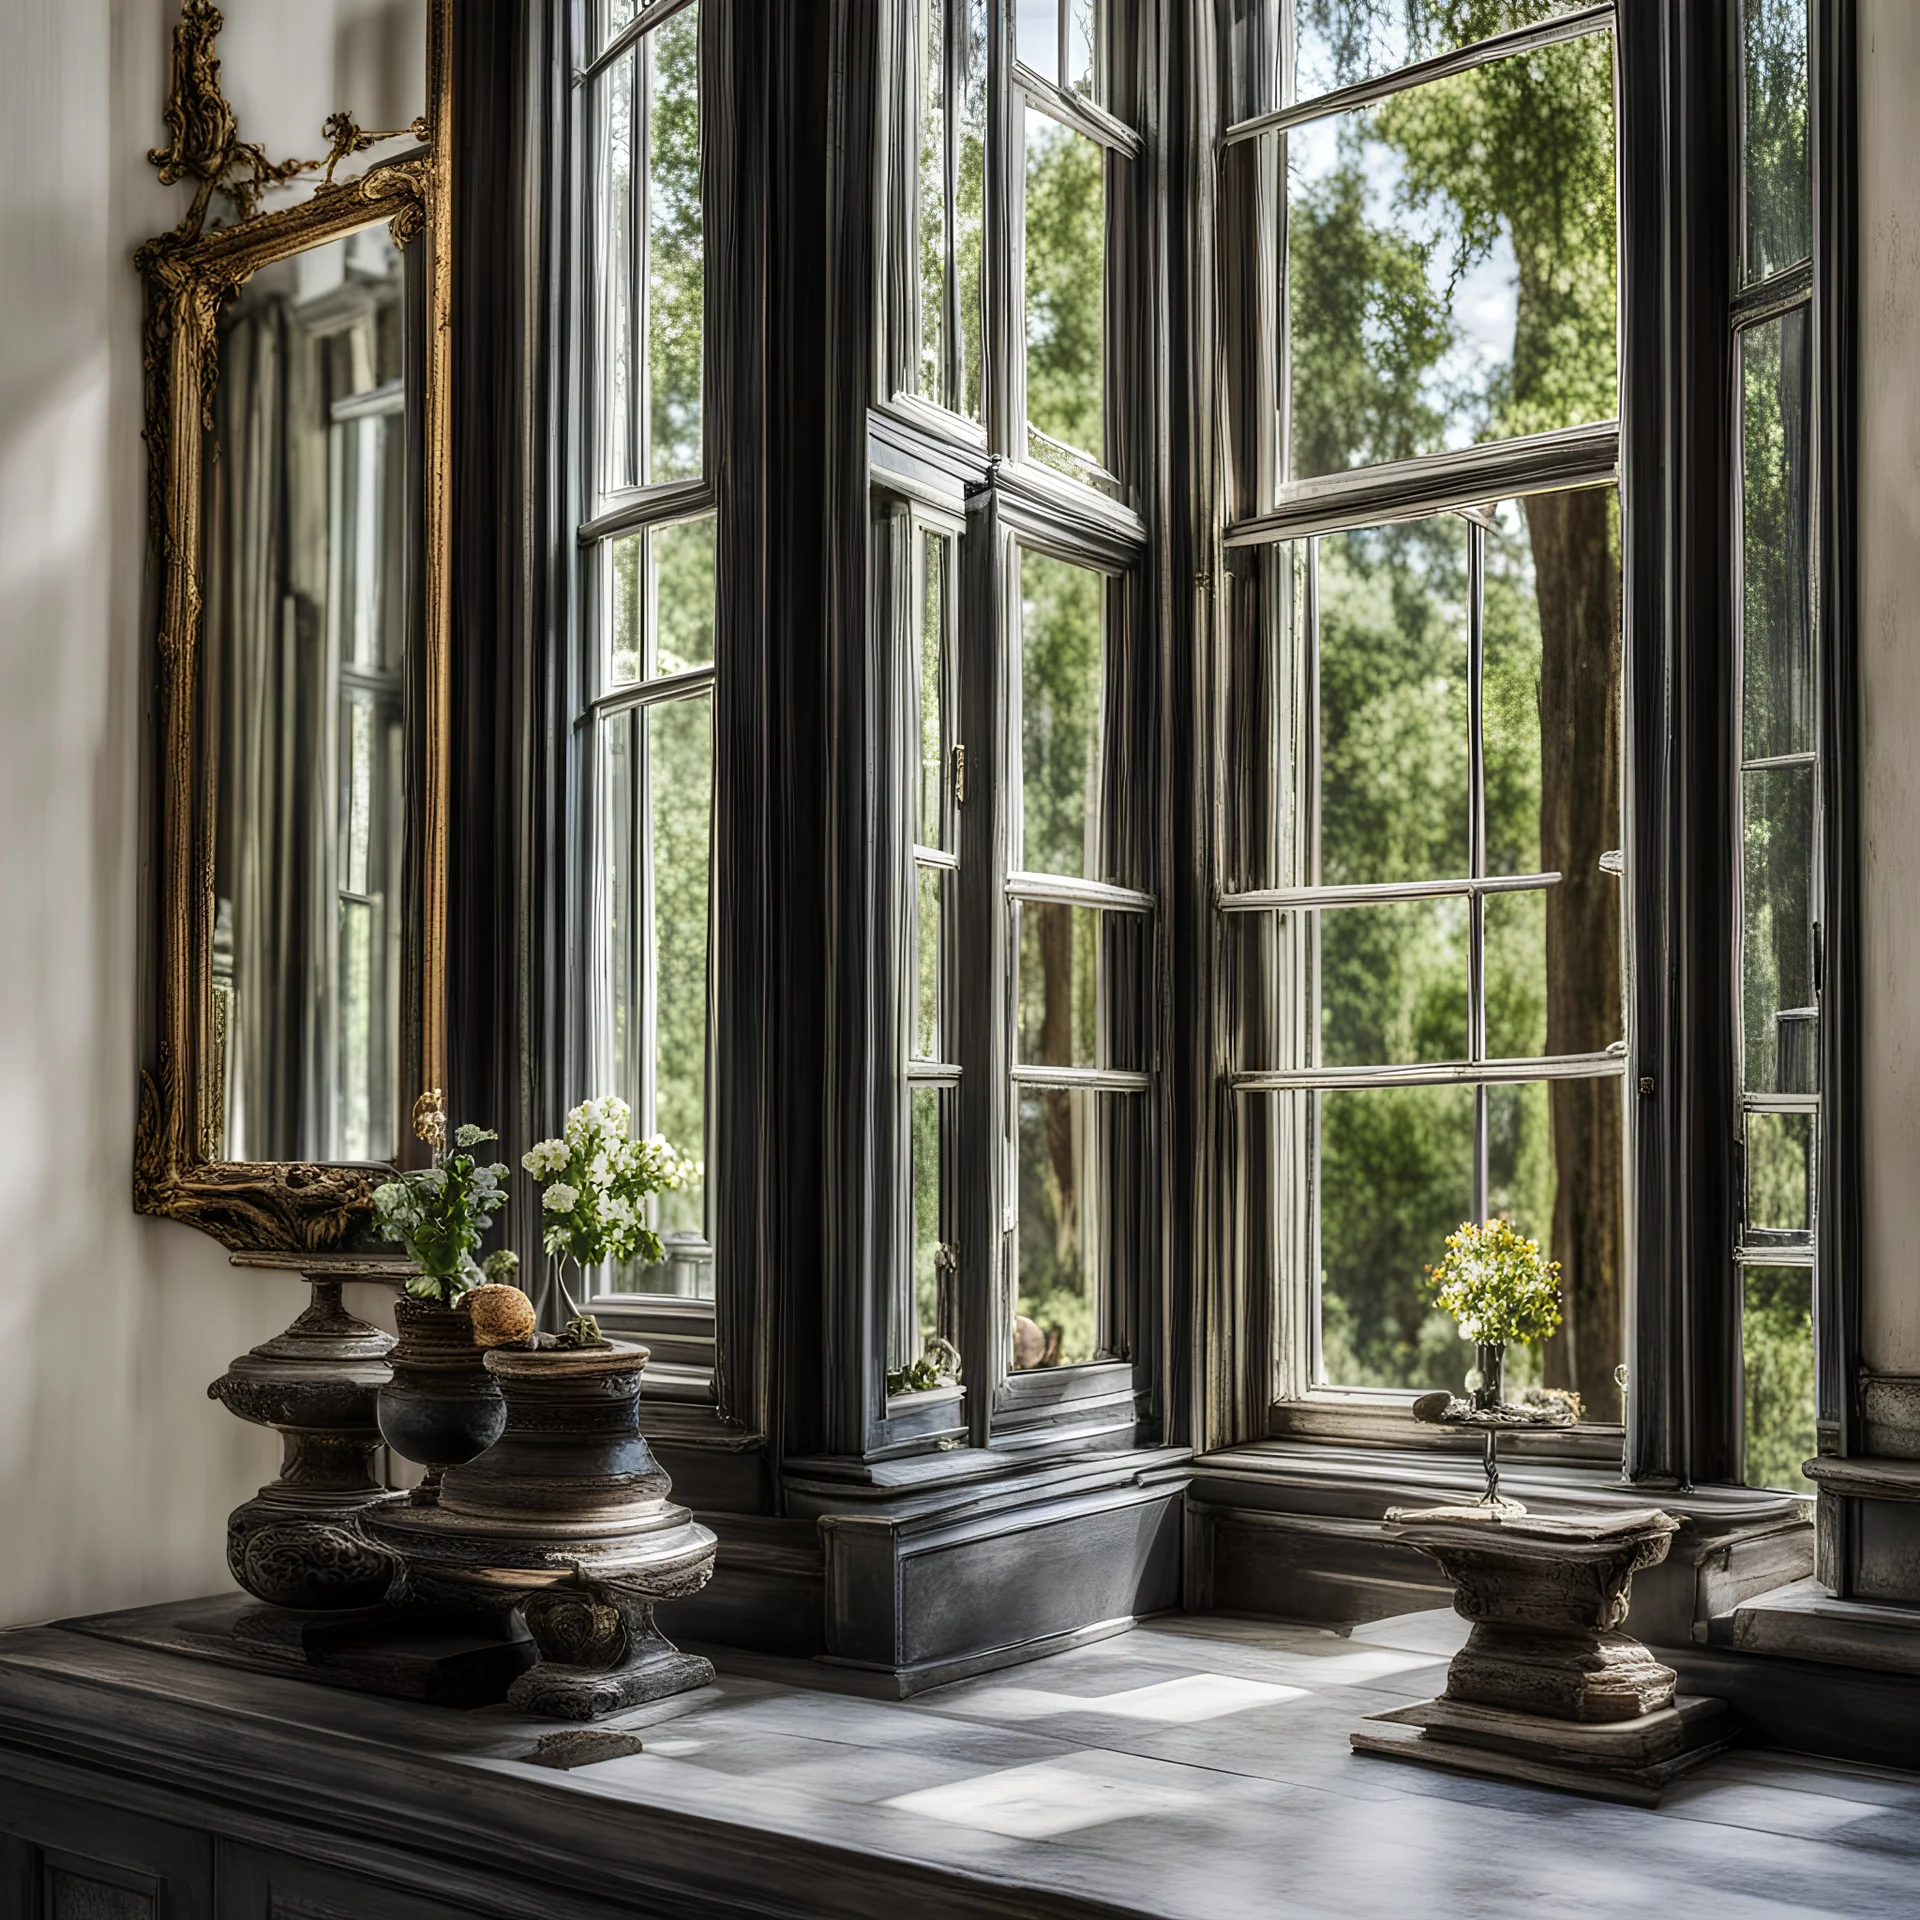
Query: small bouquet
{"x": 1497, "y": 1284}
{"x": 595, "y": 1182}
{"x": 440, "y": 1213}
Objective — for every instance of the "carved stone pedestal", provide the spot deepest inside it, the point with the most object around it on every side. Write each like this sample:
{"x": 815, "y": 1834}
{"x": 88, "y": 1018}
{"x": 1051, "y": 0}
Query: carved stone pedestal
{"x": 1547, "y": 1688}
{"x": 298, "y": 1543}
{"x": 565, "y": 1520}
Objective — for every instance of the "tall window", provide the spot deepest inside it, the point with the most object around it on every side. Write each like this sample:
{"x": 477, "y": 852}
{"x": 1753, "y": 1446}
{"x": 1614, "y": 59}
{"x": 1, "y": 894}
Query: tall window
{"x": 1424, "y": 617}
{"x": 1778, "y": 799}
{"x": 1010, "y": 351}
{"x": 1079, "y": 958}
{"x": 925, "y": 1307}
{"x": 646, "y": 543}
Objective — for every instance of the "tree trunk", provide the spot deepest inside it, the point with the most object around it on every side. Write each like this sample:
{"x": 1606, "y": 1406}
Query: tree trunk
{"x": 1578, "y": 582}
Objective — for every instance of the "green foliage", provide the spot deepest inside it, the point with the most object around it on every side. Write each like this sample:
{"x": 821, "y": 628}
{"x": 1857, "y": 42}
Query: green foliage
{"x": 1776, "y": 1337}
{"x": 1066, "y": 247}
{"x": 1497, "y": 1284}
{"x": 1778, "y": 182}
{"x": 1367, "y": 335}
{"x": 1522, "y": 149}
{"x": 676, "y": 251}
{"x": 1062, "y": 654}
{"x": 440, "y": 1213}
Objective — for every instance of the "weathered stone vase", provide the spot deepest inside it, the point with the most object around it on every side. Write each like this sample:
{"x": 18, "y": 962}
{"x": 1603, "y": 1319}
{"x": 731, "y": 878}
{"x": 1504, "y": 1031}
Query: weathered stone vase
{"x": 298, "y": 1543}
{"x": 567, "y": 1520}
{"x": 442, "y": 1407}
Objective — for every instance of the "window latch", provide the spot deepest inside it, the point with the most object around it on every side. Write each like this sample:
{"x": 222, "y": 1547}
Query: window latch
{"x": 1614, "y": 860}
{"x": 959, "y": 776}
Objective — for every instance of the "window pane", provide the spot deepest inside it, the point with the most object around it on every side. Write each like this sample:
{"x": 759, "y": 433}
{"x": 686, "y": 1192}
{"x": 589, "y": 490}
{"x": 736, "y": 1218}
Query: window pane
{"x": 934, "y": 227}
{"x": 676, "y": 252}
{"x": 1516, "y": 975}
{"x": 618, "y": 272}
{"x": 926, "y": 1024}
{"x": 683, "y": 590}
{"x": 1036, "y": 34}
{"x": 1338, "y": 43}
{"x": 970, "y": 209}
{"x": 1555, "y": 1169}
{"x": 1059, "y": 985}
{"x": 1780, "y": 1173}
{"x": 1521, "y": 1177}
{"x": 1066, "y": 252}
{"x": 656, "y": 787}
{"x": 1775, "y": 546}
{"x": 1777, "y": 937}
{"x": 678, "y": 595}
{"x": 1062, "y": 670}
{"x": 931, "y": 828}
{"x": 354, "y": 1069}
{"x": 1061, "y": 1193}
{"x": 1450, "y": 262}
{"x": 924, "y": 1147}
{"x": 610, "y": 16}
{"x": 1086, "y": 74}
{"x": 1395, "y": 1178}
{"x": 1393, "y": 984}
{"x": 1776, "y": 1343}
{"x": 1774, "y": 75}
{"x": 935, "y": 240}
{"x": 680, "y": 750}
{"x": 1542, "y": 998}
{"x": 1393, "y": 703}
{"x": 1552, "y": 696}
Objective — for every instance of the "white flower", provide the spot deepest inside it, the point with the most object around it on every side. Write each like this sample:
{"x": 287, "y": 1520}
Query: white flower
{"x": 546, "y": 1156}
{"x": 560, "y": 1198}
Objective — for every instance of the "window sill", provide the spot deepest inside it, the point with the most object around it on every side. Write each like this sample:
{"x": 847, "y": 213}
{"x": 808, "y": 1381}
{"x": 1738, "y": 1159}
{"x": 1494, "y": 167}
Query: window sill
{"x": 1358, "y": 1418}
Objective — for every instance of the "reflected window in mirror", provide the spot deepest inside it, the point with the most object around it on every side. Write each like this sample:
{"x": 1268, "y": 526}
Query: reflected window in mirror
{"x": 647, "y": 547}
{"x": 311, "y": 602}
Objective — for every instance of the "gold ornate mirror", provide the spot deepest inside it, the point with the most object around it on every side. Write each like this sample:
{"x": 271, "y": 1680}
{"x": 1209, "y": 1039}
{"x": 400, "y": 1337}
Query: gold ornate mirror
{"x": 297, "y": 438}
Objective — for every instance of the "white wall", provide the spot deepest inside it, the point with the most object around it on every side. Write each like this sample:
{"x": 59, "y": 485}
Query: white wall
{"x": 1890, "y": 671}
{"x": 116, "y": 1471}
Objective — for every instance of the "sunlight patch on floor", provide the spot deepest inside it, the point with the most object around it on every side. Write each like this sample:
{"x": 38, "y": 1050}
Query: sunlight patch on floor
{"x": 1039, "y": 1801}
{"x": 1182, "y": 1702}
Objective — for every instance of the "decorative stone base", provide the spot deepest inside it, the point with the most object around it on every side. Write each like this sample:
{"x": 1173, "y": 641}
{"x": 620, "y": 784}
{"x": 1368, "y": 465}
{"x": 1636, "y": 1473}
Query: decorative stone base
{"x": 555, "y": 1691}
{"x": 565, "y": 1522}
{"x": 365, "y": 1650}
{"x": 1547, "y": 1688}
{"x": 1633, "y": 1761}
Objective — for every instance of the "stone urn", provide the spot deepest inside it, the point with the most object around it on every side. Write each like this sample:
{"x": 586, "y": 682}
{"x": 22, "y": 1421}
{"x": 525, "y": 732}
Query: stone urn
{"x": 567, "y": 1521}
{"x": 442, "y": 1407}
{"x": 298, "y": 1543}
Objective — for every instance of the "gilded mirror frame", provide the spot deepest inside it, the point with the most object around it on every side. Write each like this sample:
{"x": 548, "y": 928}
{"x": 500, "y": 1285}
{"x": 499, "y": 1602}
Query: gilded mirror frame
{"x": 191, "y": 273}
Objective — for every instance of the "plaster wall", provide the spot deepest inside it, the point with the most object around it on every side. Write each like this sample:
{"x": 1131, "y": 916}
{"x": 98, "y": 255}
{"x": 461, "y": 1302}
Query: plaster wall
{"x": 116, "y": 1472}
{"x": 1889, "y": 545}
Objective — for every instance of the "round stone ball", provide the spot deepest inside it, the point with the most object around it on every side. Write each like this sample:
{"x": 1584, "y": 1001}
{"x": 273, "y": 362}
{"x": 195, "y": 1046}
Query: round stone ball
{"x": 502, "y": 1316}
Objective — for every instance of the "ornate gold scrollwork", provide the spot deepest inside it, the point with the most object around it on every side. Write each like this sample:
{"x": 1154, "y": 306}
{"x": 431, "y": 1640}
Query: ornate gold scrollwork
{"x": 204, "y": 141}
{"x": 191, "y": 272}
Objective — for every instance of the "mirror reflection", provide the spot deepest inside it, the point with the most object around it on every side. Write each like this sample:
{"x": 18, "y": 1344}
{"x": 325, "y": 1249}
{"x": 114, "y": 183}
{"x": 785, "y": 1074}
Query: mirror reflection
{"x": 285, "y": 69}
{"x": 310, "y": 597}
